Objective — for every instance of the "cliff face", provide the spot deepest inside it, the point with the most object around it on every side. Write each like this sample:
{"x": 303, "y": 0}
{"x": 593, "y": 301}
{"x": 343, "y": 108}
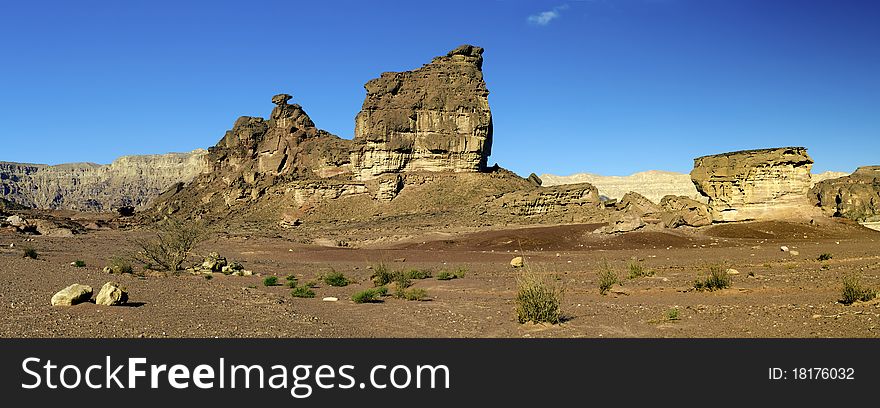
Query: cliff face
{"x": 755, "y": 184}
{"x": 128, "y": 181}
{"x": 435, "y": 118}
{"x": 856, "y": 196}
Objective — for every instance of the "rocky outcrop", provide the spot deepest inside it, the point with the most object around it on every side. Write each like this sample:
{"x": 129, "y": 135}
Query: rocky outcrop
{"x": 435, "y": 118}
{"x": 653, "y": 184}
{"x": 545, "y": 200}
{"x": 755, "y": 184}
{"x": 856, "y": 196}
{"x": 682, "y": 211}
{"x": 129, "y": 181}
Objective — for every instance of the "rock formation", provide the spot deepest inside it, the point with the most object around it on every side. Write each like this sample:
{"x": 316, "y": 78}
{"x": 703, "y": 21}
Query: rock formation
{"x": 755, "y": 184}
{"x": 683, "y": 211}
{"x": 72, "y": 295}
{"x": 435, "y": 118}
{"x": 128, "y": 181}
{"x": 856, "y": 196}
{"x": 653, "y": 184}
{"x": 557, "y": 199}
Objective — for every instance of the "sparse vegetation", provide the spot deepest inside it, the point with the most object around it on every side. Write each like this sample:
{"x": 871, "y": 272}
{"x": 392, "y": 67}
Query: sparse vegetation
{"x": 418, "y": 274}
{"x": 445, "y": 275}
{"x": 636, "y": 270}
{"x": 367, "y": 296}
{"x": 538, "y": 300}
{"x": 291, "y": 281}
{"x": 302, "y": 292}
{"x": 415, "y": 294}
{"x": 172, "y": 244}
{"x": 672, "y": 314}
{"x": 119, "y": 265}
{"x": 825, "y": 257}
{"x": 209, "y": 277}
{"x": 79, "y": 263}
{"x": 311, "y": 284}
{"x": 716, "y": 279}
{"x": 270, "y": 281}
{"x": 30, "y": 252}
{"x": 854, "y": 291}
{"x": 382, "y": 290}
{"x": 336, "y": 279}
{"x": 607, "y": 277}
{"x": 382, "y": 275}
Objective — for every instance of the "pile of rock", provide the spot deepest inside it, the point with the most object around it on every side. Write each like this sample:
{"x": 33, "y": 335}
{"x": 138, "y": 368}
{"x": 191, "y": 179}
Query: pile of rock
{"x": 636, "y": 211}
{"x": 216, "y": 263}
{"x": 38, "y": 226}
{"x": 111, "y": 294}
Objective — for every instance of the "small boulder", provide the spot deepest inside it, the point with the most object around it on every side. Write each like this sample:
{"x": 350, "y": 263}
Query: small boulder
{"x": 111, "y": 294}
{"x": 214, "y": 262}
{"x": 783, "y": 248}
{"x": 794, "y": 253}
{"x": 517, "y": 262}
{"x": 732, "y": 271}
{"x": 72, "y": 295}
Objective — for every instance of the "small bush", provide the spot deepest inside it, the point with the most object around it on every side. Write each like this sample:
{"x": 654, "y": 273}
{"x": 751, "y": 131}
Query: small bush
{"x": 715, "y": 280}
{"x": 381, "y": 291}
{"x": 825, "y": 257}
{"x": 336, "y": 279}
{"x": 636, "y": 270}
{"x": 367, "y": 296}
{"x": 311, "y": 284}
{"x": 538, "y": 300}
{"x": 382, "y": 275}
{"x": 30, "y": 253}
{"x": 302, "y": 292}
{"x": 270, "y": 281}
{"x": 607, "y": 277}
{"x": 415, "y": 294}
{"x": 672, "y": 314}
{"x": 418, "y": 274}
{"x": 460, "y": 273}
{"x": 291, "y": 281}
{"x": 290, "y": 277}
{"x": 79, "y": 263}
{"x": 853, "y": 290}
{"x": 209, "y": 277}
{"x": 120, "y": 265}
{"x": 171, "y": 246}
{"x": 445, "y": 275}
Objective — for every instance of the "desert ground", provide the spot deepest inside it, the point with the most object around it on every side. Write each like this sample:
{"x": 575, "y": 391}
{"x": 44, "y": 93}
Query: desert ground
{"x": 774, "y": 293}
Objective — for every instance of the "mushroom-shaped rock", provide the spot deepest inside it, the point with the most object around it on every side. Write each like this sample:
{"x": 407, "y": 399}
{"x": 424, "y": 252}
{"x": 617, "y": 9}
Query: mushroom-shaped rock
{"x": 281, "y": 99}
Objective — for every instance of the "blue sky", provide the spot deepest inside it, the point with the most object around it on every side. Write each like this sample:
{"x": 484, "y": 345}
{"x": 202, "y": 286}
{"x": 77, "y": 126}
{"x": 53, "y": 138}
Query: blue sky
{"x": 602, "y": 86}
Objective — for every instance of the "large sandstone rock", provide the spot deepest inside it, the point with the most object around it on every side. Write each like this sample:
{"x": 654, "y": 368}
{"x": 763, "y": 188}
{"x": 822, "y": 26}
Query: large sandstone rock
{"x": 72, "y": 295}
{"x": 435, "y": 118}
{"x": 683, "y": 211}
{"x": 557, "y": 199}
{"x": 638, "y": 205}
{"x": 111, "y": 294}
{"x": 856, "y": 196}
{"x": 755, "y": 184}
{"x": 652, "y": 184}
{"x": 128, "y": 181}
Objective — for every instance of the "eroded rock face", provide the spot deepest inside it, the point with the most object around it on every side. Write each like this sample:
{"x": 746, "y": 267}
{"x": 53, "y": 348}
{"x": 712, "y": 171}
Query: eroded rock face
{"x": 682, "y": 211}
{"x": 129, "y": 181}
{"x": 652, "y": 184}
{"x": 856, "y": 196}
{"x": 435, "y": 118}
{"x": 557, "y": 199}
{"x": 755, "y": 184}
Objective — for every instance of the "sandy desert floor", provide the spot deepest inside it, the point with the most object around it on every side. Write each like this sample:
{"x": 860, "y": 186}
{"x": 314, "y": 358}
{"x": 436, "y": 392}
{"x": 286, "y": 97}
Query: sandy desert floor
{"x": 775, "y": 294}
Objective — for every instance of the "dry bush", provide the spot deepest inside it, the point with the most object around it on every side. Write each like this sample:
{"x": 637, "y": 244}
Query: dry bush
{"x": 537, "y": 299}
{"x": 174, "y": 240}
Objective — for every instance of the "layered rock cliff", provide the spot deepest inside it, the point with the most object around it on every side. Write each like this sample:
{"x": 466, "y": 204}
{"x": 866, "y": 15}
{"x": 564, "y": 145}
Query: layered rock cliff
{"x": 755, "y": 184}
{"x": 129, "y": 181}
{"x": 856, "y": 196}
{"x": 435, "y": 118}
{"x": 652, "y": 184}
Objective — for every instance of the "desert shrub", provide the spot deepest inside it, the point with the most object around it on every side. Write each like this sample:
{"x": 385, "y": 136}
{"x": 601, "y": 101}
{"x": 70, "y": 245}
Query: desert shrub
{"x": 381, "y": 291}
{"x": 853, "y": 290}
{"x": 290, "y": 277}
{"x": 79, "y": 263}
{"x": 367, "y": 296}
{"x": 636, "y": 270}
{"x": 825, "y": 257}
{"x": 171, "y": 246}
{"x": 119, "y": 265}
{"x": 716, "y": 279}
{"x": 291, "y": 281}
{"x": 607, "y": 277}
{"x": 460, "y": 272}
{"x": 311, "y": 284}
{"x": 672, "y": 314}
{"x": 415, "y": 294}
{"x": 445, "y": 275}
{"x": 382, "y": 275}
{"x": 418, "y": 274}
{"x": 30, "y": 252}
{"x": 538, "y": 300}
{"x": 209, "y": 277}
{"x": 302, "y": 292}
{"x": 336, "y": 279}
{"x": 270, "y": 281}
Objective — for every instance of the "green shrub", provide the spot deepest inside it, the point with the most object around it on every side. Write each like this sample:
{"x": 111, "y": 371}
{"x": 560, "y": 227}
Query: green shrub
{"x": 538, "y": 300}
{"x": 415, "y": 294}
{"x": 460, "y": 272}
{"x": 79, "y": 263}
{"x": 672, "y": 314}
{"x": 290, "y": 277}
{"x": 445, "y": 275}
{"x": 636, "y": 270}
{"x": 607, "y": 277}
{"x": 30, "y": 253}
{"x": 716, "y": 279}
{"x": 270, "y": 281}
{"x": 119, "y": 265}
{"x": 418, "y": 274}
{"x": 367, "y": 296}
{"x": 825, "y": 257}
{"x": 382, "y": 275}
{"x": 381, "y": 291}
{"x": 174, "y": 240}
{"x": 336, "y": 279}
{"x": 311, "y": 284}
{"x": 853, "y": 290}
{"x": 302, "y": 292}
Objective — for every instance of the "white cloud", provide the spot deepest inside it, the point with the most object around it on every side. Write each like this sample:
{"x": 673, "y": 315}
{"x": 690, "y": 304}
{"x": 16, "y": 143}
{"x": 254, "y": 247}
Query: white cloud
{"x": 545, "y": 17}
